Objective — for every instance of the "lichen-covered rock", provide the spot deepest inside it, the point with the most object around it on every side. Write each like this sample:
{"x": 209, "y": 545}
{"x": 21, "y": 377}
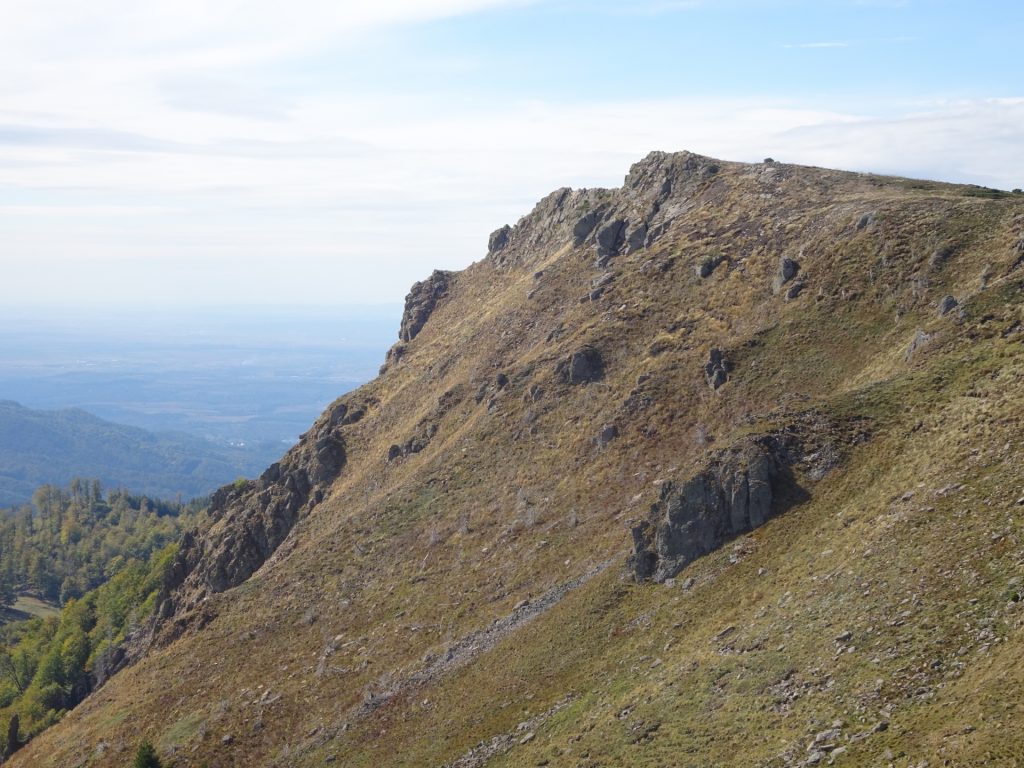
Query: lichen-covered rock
{"x": 736, "y": 494}
{"x": 421, "y": 302}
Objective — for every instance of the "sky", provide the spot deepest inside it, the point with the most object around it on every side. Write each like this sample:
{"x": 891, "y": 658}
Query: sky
{"x": 176, "y": 154}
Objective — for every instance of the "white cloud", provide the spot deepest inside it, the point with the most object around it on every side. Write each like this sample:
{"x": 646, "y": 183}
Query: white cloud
{"x": 150, "y": 151}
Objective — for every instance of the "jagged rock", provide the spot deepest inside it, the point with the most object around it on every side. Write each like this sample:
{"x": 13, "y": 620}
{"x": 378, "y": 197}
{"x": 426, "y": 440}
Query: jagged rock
{"x": 706, "y": 267}
{"x": 608, "y": 433}
{"x": 581, "y": 367}
{"x": 636, "y": 238}
{"x": 920, "y": 339}
{"x": 584, "y": 227}
{"x": 946, "y": 305}
{"x": 392, "y": 356}
{"x": 609, "y": 240}
{"x": 866, "y": 220}
{"x": 394, "y": 452}
{"x": 421, "y": 302}
{"x": 717, "y": 369}
{"x": 788, "y": 269}
{"x": 250, "y": 521}
{"x": 736, "y": 494}
{"x": 498, "y": 240}
{"x": 794, "y": 290}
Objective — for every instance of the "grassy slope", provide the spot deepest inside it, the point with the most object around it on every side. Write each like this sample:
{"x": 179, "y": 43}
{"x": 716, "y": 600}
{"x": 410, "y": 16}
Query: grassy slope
{"x": 312, "y": 657}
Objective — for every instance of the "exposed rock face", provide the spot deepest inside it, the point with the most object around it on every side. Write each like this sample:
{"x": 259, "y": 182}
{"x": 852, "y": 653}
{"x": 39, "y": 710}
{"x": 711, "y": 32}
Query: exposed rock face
{"x": 717, "y": 369}
{"x": 583, "y": 228}
{"x": 788, "y": 269}
{"x": 919, "y": 341}
{"x": 658, "y": 190}
{"x": 736, "y": 494}
{"x": 947, "y": 305}
{"x": 609, "y": 242}
{"x": 582, "y": 366}
{"x": 250, "y": 521}
{"x": 421, "y": 302}
{"x": 708, "y": 265}
{"x": 498, "y": 240}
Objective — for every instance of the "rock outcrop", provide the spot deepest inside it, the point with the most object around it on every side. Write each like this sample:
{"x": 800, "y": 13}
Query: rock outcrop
{"x": 737, "y": 493}
{"x": 250, "y": 521}
{"x": 421, "y": 302}
{"x": 788, "y": 269}
{"x": 581, "y": 367}
{"x": 657, "y": 190}
{"x": 947, "y": 305}
{"x": 717, "y": 368}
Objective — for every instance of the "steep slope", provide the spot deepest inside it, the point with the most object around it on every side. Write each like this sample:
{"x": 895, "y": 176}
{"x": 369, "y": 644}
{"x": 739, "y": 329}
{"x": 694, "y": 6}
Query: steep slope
{"x": 719, "y": 468}
{"x": 52, "y": 447}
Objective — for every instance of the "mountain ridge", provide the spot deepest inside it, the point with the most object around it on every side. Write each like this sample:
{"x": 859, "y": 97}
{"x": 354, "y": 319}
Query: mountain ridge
{"x": 52, "y": 447}
{"x": 583, "y": 381}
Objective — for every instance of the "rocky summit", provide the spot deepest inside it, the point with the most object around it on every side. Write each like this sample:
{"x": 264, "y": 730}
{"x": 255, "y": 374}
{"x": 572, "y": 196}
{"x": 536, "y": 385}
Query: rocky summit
{"x": 719, "y": 468}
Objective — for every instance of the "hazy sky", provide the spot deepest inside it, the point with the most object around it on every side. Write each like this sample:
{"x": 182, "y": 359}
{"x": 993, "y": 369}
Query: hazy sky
{"x": 184, "y": 152}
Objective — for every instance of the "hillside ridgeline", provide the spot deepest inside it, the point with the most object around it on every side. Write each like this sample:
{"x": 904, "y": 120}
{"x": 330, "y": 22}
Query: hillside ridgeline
{"x": 717, "y": 468}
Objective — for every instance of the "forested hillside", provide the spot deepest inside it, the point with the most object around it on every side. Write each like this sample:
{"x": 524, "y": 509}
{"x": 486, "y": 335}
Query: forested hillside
{"x": 47, "y": 666}
{"x": 70, "y": 540}
{"x": 41, "y": 447}
{"x": 101, "y": 556}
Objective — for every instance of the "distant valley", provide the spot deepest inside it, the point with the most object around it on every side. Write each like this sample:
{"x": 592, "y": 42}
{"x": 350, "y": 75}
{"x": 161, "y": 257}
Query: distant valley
{"x": 119, "y": 397}
{"x": 52, "y": 447}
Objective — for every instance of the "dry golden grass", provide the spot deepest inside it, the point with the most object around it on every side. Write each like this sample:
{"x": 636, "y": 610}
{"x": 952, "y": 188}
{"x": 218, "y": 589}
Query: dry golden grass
{"x": 320, "y": 655}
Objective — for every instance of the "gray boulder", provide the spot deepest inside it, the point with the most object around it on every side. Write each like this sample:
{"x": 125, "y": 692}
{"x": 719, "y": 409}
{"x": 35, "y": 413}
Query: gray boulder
{"x": 788, "y": 269}
{"x": 608, "y": 433}
{"x": 581, "y": 367}
{"x": 946, "y": 305}
{"x": 717, "y": 368}
{"x": 706, "y": 266}
{"x": 920, "y": 340}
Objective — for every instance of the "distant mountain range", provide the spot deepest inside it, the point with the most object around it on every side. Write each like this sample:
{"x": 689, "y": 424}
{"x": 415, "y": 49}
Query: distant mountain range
{"x": 40, "y": 447}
